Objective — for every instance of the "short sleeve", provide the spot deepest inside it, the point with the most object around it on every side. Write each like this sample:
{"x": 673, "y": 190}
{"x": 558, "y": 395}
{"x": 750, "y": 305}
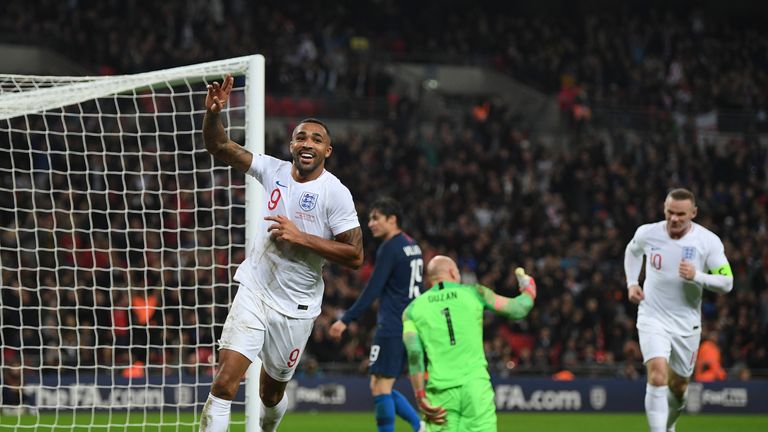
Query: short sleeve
{"x": 342, "y": 215}
{"x": 260, "y": 165}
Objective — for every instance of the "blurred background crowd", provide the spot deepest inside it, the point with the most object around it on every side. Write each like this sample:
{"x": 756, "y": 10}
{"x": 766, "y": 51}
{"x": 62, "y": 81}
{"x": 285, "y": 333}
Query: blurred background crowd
{"x": 112, "y": 269}
{"x": 652, "y": 55}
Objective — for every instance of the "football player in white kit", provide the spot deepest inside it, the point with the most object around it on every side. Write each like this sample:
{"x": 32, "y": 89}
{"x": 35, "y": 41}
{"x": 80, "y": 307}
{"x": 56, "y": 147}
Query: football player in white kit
{"x": 309, "y": 218}
{"x": 681, "y": 259}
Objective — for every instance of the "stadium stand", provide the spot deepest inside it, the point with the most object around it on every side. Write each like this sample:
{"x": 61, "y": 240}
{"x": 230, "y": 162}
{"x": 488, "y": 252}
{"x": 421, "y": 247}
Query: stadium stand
{"x": 635, "y": 92}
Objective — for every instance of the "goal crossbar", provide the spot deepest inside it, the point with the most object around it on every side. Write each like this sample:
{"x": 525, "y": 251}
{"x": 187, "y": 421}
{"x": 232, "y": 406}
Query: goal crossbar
{"x": 27, "y": 97}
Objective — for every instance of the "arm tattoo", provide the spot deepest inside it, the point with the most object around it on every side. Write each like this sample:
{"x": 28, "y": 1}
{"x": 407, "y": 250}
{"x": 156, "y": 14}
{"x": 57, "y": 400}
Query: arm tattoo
{"x": 352, "y": 237}
{"x": 235, "y": 155}
{"x": 221, "y": 147}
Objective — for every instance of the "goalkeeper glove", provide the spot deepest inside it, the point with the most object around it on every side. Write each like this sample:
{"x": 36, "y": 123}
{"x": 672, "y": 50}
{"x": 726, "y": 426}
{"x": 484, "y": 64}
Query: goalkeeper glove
{"x": 526, "y": 283}
{"x": 434, "y": 414}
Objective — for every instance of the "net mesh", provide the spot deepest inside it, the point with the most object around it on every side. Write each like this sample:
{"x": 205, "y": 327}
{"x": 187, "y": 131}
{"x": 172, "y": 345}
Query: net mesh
{"x": 119, "y": 235}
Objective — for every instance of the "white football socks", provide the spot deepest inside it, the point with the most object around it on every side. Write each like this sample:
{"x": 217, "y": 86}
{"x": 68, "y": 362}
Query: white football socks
{"x": 215, "y": 416}
{"x": 271, "y": 416}
{"x": 676, "y": 407}
{"x": 656, "y": 407}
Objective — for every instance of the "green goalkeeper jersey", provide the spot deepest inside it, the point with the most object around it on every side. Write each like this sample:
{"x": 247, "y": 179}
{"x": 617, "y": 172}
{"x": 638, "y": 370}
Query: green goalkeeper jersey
{"x": 448, "y": 319}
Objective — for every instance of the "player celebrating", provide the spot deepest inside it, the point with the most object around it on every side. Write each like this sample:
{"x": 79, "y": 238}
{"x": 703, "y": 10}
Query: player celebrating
{"x": 446, "y": 322}
{"x": 397, "y": 280}
{"x": 677, "y": 251}
{"x": 310, "y": 218}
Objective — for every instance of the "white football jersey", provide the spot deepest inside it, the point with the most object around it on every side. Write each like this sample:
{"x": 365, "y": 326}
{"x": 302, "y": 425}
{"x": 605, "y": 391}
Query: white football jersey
{"x": 288, "y": 277}
{"x": 671, "y": 302}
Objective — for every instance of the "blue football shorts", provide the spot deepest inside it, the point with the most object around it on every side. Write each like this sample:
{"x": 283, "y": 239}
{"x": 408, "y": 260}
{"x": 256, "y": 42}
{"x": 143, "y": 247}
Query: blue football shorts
{"x": 387, "y": 357}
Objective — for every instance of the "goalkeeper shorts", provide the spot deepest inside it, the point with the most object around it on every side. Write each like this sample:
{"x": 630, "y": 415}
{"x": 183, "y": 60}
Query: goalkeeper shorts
{"x": 470, "y": 407}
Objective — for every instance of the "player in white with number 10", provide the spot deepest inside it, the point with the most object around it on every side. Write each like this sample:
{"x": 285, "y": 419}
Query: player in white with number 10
{"x": 309, "y": 218}
{"x": 681, "y": 259}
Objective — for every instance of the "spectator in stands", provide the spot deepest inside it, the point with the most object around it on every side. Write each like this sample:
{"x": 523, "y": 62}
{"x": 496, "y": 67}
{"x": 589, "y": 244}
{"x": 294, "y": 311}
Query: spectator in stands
{"x": 708, "y": 361}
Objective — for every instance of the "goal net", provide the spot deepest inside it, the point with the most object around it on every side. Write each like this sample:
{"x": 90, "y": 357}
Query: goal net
{"x": 119, "y": 236}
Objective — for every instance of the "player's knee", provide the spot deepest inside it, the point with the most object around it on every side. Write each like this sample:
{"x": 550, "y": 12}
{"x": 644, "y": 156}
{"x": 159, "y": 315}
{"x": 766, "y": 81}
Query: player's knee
{"x": 657, "y": 377}
{"x": 225, "y": 386}
{"x": 270, "y": 398}
{"x": 657, "y": 380}
{"x": 375, "y": 386}
{"x": 678, "y": 385}
{"x": 657, "y": 371}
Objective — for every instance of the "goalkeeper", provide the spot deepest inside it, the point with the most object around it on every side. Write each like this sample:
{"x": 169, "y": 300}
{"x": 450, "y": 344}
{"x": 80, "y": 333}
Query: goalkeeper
{"x": 446, "y": 323}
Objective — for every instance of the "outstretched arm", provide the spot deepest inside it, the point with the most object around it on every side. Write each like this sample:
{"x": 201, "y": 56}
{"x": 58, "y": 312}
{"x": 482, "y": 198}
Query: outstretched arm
{"x": 345, "y": 249}
{"x": 215, "y": 137}
{"x": 372, "y": 291}
{"x": 511, "y": 307}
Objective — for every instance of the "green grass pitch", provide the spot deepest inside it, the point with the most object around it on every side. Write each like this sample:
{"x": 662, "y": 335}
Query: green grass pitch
{"x": 363, "y": 421}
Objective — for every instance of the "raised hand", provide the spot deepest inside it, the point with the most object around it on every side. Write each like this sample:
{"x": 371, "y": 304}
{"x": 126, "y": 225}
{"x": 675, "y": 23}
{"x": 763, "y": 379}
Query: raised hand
{"x": 218, "y": 94}
{"x": 526, "y": 283}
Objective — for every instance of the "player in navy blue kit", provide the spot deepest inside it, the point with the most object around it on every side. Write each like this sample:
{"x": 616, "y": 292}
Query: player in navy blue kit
{"x": 396, "y": 280}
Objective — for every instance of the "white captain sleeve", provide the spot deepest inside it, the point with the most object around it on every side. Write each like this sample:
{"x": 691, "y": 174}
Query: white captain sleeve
{"x": 633, "y": 256}
{"x": 342, "y": 215}
{"x": 721, "y": 279}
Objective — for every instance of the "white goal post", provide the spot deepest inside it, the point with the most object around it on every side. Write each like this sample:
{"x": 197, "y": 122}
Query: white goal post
{"x": 119, "y": 236}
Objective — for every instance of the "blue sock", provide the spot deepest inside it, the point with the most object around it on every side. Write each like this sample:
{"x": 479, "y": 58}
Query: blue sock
{"x": 405, "y": 410}
{"x": 385, "y": 413}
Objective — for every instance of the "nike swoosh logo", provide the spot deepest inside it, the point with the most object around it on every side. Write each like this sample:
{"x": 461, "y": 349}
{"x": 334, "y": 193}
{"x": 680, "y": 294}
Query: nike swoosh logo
{"x": 280, "y": 184}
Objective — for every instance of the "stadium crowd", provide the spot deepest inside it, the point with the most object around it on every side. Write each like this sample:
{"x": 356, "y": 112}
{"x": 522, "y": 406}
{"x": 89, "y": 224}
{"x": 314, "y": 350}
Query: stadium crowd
{"x": 494, "y": 198}
{"x": 116, "y": 267}
{"x": 651, "y": 56}
{"x": 484, "y": 192}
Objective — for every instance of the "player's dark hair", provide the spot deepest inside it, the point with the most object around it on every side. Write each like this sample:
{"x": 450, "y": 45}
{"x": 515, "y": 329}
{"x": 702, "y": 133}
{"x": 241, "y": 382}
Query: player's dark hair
{"x": 389, "y": 207}
{"x": 681, "y": 194}
{"x": 320, "y": 122}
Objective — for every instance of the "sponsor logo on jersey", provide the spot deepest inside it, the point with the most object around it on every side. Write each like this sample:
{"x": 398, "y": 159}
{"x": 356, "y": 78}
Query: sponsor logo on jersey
{"x": 306, "y": 216}
{"x": 280, "y": 184}
{"x": 308, "y": 201}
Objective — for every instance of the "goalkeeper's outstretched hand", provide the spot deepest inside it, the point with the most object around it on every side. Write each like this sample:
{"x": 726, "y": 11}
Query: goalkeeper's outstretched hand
{"x": 526, "y": 283}
{"x": 433, "y": 413}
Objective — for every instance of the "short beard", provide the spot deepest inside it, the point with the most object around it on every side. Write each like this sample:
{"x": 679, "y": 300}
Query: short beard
{"x": 297, "y": 163}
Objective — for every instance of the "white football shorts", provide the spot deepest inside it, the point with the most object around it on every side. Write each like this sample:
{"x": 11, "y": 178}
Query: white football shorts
{"x": 256, "y": 330}
{"x": 680, "y": 351}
